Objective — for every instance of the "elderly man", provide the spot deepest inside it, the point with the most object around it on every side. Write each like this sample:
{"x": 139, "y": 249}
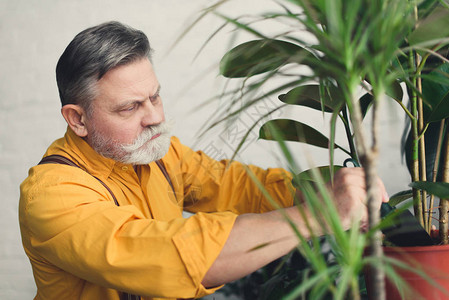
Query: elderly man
{"x": 101, "y": 215}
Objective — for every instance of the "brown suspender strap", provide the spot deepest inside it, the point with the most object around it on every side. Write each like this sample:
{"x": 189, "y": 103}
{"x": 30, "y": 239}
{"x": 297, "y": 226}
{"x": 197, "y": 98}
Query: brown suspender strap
{"x": 59, "y": 159}
{"x": 161, "y": 166}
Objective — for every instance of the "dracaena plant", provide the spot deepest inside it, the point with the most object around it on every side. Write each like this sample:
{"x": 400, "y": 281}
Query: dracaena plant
{"x": 358, "y": 53}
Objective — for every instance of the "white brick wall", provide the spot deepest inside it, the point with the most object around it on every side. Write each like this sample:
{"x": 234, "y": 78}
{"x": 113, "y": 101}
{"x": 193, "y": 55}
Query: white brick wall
{"x": 33, "y": 35}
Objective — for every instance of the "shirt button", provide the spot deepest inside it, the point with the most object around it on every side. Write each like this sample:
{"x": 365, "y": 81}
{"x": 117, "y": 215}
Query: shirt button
{"x": 125, "y": 168}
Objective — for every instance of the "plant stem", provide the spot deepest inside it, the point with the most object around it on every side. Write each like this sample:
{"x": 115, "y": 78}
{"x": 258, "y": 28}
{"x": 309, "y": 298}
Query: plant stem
{"x": 422, "y": 146}
{"x": 417, "y": 202}
{"x": 368, "y": 158}
{"x": 355, "y": 290}
{"x": 436, "y": 167}
{"x": 349, "y": 135}
{"x": 444, "y": 203}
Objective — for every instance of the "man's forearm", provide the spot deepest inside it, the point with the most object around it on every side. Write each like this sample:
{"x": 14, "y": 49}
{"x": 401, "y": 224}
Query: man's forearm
{"x": 242, "y": 252}
{"x": 254, "y": 241}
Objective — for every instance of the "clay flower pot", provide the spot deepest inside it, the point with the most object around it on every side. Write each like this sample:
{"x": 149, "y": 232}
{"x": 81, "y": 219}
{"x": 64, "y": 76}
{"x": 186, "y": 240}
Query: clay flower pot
{"x": 432, "y": 260}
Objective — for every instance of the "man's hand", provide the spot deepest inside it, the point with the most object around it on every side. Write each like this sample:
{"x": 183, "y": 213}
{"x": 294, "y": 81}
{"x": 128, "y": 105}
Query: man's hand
{"x": 349, "y": 193}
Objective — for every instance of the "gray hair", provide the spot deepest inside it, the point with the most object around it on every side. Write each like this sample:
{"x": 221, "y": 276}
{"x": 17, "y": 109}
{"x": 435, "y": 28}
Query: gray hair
{"x": 91, "y": 54}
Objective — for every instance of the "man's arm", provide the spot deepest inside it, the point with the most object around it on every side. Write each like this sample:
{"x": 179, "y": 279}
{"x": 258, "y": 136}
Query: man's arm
{"x": 238, "y": 257}
{"x": 213, "y": 186}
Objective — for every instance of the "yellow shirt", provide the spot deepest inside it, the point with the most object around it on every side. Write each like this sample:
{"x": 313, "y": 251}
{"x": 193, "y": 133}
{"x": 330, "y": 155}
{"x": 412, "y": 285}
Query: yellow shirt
{"x": 82, "y": 246}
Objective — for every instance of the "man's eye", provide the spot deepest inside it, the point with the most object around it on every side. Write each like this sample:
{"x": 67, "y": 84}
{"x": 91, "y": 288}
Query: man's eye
{"x": 154, "y": 98}
{"x": 130, "y": 108}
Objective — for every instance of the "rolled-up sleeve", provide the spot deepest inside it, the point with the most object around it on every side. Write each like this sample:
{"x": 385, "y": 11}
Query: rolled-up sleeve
{"x": 75, "y": 226}
{"x": 209, "y": 185}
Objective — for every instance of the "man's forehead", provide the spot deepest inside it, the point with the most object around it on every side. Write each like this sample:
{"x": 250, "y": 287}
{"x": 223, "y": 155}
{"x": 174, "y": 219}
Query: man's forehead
{"x": 134, "y": 80}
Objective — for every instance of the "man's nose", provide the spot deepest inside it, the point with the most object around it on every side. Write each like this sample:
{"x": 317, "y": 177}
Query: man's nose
{"x": 153, "y": 115}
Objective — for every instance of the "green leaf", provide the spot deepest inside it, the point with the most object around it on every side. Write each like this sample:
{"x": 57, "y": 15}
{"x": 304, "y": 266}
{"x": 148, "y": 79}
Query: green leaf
{"x": 435, "y": 26}
{"x": 439, "y": 189}
{"x": 295, "y": 131}
{"x": 436, "y": 94}
{"x": 365, "y": 103}
{"x": 400, "y": 197}
{"x": 426, "y": 7}
{"x": 308, "y": 175}
{"x": 395, "y": 91}
{"x": 259, "y": 56}
{"x": 310, "y": 96}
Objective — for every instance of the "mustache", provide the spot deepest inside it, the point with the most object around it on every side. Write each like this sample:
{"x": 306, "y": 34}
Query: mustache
{"x": 148, "y": 133}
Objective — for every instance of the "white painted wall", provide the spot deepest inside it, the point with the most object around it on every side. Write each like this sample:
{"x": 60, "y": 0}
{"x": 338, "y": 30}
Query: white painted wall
{"x": 33, "y": 35}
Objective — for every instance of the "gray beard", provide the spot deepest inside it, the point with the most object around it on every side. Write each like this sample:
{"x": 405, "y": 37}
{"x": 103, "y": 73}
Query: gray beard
{"x": 142, "y": 151}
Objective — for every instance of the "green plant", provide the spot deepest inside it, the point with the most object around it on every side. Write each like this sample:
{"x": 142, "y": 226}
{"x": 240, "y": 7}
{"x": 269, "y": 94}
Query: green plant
{"x": 380, "y": 47}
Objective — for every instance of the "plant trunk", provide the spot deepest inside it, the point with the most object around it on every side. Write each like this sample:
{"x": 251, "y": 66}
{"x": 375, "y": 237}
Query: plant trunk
{"x": 444, "y": 203}
{"x": 368, "y": 158}
{"x": 417, "y": 199}
{"x": 436, "y": 168}
{"x": 422, "y": 152}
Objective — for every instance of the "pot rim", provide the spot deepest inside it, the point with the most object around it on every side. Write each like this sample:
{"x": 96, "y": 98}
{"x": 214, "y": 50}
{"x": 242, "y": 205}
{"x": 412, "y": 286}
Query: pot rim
{"x": 432, "y": 248}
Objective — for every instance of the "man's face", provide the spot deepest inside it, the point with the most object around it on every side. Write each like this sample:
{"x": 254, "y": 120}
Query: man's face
{"x": 128, "y": 122}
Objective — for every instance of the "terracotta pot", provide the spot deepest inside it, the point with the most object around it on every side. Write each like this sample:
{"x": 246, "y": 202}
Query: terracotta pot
{"x": 433, "y": 260}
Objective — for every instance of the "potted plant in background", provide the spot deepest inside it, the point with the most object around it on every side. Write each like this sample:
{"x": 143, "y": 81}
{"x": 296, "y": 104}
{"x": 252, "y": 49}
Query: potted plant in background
{"x": 360, "y": 53}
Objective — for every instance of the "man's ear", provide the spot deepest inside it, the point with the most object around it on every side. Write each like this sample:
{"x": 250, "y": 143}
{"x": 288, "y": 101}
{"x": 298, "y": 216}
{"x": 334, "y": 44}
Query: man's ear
{"x": 75, "y": 117}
